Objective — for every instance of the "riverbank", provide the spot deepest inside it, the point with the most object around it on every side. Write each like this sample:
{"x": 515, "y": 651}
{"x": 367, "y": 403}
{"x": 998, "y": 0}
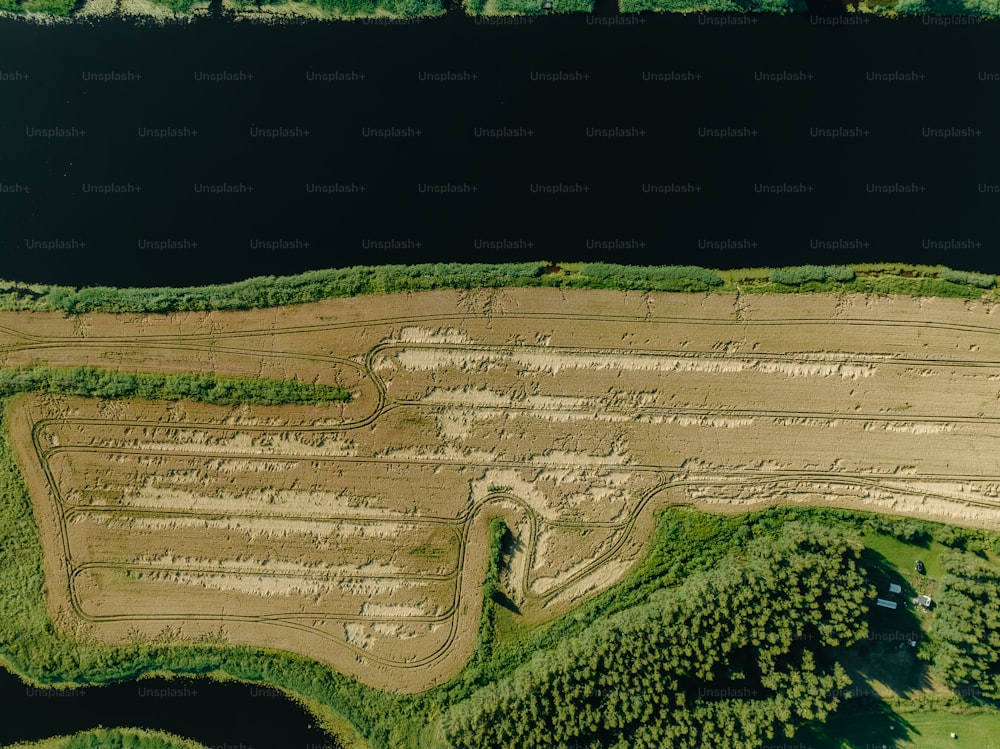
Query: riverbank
{"x": 890, "y": 278}
{"x": 134, "y": 738}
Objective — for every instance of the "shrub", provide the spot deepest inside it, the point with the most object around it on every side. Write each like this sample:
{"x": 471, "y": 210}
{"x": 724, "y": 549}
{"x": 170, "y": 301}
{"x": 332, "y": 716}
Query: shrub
{"x": 226, "y": 391}
{"x": 840, "y": 273}
{"x": 805, "y": 273}
{"x": 979, "y": 280}
{"x": 653, "y": 278}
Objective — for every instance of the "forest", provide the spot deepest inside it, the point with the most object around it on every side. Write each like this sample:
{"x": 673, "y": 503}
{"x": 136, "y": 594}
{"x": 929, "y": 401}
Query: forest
{"x": 734, "y": 657}
{"x": 966, "y": 634}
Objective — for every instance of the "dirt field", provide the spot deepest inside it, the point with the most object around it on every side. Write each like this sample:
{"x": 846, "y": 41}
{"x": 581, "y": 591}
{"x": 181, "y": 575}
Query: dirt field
{"x": 356, "y": 534}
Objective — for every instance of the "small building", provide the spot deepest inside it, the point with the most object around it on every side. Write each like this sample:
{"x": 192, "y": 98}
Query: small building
{"x": 894, "y": 588}
{"x": 924, "y": 601}
{"x": 885, "y": 604}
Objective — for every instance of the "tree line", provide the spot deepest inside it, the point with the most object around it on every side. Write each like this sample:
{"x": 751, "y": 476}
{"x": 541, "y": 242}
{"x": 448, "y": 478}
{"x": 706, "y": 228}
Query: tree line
{"x": 965, "y": 632}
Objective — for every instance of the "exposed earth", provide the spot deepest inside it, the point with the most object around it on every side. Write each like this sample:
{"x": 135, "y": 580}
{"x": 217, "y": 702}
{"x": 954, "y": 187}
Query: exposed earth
{"x": 356, "y": 534}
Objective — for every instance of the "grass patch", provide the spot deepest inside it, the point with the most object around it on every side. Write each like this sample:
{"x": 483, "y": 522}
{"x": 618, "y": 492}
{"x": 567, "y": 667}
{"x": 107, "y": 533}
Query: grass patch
{"x": 62, "y": 8}
{"x": 919, "y": 730}
{"x": 903, "y": 556}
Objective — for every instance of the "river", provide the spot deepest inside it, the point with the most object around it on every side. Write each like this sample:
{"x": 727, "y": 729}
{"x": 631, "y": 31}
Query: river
{"x": 212, "y": 151}
{"x": 219, "y": 715}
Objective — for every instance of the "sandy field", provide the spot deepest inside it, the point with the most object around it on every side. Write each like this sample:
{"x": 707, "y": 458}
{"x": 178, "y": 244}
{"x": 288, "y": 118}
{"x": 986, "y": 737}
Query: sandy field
{"x": 356, "y": 533}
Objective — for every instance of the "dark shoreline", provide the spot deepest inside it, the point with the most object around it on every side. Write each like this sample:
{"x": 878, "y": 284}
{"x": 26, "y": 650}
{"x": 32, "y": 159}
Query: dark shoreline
{"x": 213, "y": 713}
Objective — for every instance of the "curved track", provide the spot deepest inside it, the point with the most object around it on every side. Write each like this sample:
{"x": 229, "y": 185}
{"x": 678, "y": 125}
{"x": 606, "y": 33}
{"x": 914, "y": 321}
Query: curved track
{"x": 673, "y": 419}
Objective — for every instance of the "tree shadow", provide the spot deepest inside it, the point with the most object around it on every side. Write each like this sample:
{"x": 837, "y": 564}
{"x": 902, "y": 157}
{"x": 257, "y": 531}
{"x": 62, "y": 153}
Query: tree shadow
{"x": 888, "y": 656}
{"x": 501, "y": 599}
{"x": 859, "y": 723}
{"x": 509, "y": 545}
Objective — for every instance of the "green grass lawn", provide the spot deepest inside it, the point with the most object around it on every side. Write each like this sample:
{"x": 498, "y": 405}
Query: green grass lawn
{"x": 904, "y": 556}
{"x": 928, "y": 730}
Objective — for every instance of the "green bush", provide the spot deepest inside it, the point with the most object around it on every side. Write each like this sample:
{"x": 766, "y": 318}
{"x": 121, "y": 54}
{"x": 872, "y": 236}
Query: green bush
{"x": 979, "y": 280}
{"x": 840, "y": 273}
{"x": 947, "y": 8}
{"x": 799, "y": 275}
{"x": 651, "y": 278}
{"x": 414, "y": 8}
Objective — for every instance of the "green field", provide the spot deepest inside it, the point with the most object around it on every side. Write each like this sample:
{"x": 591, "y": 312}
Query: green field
{"x": 927, "y": 730}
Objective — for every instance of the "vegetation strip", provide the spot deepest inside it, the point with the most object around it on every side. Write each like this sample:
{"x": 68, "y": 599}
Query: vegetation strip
{"x": 113, "y": 738}
{"x": 271, "y": 291}
{"x": 222, "y": 391}
{"x": 416, "y": 9}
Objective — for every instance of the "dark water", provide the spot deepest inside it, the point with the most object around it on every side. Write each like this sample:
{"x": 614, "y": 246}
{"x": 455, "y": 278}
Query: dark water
{"x": 221, "y": 716}
{"x": 626, "y": 140}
